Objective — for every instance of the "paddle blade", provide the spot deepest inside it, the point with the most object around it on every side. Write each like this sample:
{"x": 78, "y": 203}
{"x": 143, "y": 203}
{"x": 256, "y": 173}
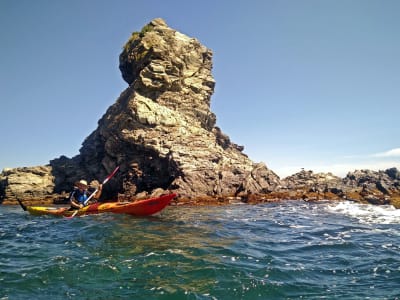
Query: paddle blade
{"x": 73, "y": 215}
{"x": 21, "y": 204}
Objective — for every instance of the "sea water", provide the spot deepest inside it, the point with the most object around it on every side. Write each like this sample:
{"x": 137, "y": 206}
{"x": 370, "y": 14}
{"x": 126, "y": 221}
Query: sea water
{"x": 288, "y": 250}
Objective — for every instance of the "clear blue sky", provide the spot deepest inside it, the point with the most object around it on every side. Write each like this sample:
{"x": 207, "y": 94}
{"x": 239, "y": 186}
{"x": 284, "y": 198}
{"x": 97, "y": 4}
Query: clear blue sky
{"x": 301, "y": 84}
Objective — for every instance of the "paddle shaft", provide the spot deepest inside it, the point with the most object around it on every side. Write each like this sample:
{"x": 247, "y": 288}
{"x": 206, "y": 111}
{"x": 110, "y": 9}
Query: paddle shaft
{"x": 104, "y": 182}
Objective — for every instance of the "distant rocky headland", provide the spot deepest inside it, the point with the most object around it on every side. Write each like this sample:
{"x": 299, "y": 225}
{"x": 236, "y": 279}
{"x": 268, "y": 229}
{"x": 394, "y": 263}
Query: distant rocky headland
{"x": 163, "y": 135}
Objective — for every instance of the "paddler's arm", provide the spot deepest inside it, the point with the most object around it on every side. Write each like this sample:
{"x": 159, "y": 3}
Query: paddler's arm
{"x": 98, "y": 193}
{"x": 76, "y": 205}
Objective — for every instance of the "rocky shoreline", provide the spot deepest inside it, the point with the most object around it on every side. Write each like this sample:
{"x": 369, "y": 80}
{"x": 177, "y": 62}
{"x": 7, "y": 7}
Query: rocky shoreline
{"x": 363, "y": 186}
{"x": 163, "y": 136}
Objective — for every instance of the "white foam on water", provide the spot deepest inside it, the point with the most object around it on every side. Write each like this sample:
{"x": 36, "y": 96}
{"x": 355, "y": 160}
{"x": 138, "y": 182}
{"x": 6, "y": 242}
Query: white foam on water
{"x": 367, "y": 213}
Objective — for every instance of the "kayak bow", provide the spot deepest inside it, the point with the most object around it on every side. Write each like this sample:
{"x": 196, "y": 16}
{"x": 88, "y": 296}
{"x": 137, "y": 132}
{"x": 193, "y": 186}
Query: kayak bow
{"x": 145, "y": 207}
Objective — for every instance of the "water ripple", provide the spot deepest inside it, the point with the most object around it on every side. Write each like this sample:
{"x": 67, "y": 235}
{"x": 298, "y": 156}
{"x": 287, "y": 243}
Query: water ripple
{"x": 293, "y": 250}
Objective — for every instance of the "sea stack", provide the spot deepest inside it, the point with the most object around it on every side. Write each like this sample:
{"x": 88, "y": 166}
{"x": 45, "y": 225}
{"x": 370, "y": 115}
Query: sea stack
{"x": 160, "y": 131}
{"x": 163, "y": 136}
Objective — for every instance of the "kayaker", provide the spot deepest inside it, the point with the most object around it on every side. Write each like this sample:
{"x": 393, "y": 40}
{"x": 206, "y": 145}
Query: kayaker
{"x": 81, "y": 193}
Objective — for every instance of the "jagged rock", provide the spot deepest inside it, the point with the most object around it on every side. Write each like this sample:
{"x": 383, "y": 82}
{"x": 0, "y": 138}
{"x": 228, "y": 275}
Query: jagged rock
{"x": 162, "y": 134}
{"x": 384, "y": 181}
{"x": 376, "y": 186}
{"x": 380, "y": 187}
{"x": 393, "y": 173}
{"x": 313, "y": 182}
{"x": 171, "y": 69}
{"x": 26, "y": 183}
{"x": 161, "y": 131}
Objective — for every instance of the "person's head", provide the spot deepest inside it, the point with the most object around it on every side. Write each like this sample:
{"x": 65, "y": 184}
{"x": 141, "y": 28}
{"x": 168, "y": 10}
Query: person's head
{"x": 82, "y": 184}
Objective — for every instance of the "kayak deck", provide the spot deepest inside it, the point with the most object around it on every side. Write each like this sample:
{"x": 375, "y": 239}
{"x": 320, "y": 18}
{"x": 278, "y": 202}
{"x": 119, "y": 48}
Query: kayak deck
{"x": 146, "y": 207}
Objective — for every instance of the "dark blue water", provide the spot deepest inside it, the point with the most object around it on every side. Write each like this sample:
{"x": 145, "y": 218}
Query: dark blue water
{"x": 292, "y": 250}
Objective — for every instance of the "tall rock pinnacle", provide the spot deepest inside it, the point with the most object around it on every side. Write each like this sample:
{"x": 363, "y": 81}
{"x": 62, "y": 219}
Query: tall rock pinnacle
{"x": 161, "y": 130}
{"x": 171, "y": 69}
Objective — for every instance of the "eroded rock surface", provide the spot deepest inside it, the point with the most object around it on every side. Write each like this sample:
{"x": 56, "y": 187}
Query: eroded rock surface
{"x": 163, "y": 135}
{"x": 161, "y": 131}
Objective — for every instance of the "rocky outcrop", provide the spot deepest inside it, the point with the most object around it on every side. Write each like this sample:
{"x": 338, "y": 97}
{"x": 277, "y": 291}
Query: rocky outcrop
{"x": 376, "y": 187}
{"x": 163, "y": 135}
{"x": 312, "y": 182}
{"x": 161, "y": 131}
{"x": 172, "y": 70}
{"x": 35, "y": 183}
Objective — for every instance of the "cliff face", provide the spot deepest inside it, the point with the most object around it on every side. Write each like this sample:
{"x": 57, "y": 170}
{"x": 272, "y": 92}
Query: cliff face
{"x": 161, "y": 131}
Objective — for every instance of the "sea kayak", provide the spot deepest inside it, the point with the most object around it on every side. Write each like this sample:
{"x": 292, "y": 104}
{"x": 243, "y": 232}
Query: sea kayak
{"x": 145, "y": 207}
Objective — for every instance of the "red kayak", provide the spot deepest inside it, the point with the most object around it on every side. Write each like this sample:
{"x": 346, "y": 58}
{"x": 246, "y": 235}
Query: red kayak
{"x": 145, "y": 207}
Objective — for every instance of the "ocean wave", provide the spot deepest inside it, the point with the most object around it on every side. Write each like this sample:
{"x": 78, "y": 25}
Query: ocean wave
{"x": 366, "y": 213}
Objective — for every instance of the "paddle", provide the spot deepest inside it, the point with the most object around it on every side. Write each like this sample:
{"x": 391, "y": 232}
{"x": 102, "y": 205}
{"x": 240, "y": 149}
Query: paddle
{"x": 104, "y": 182}
{"x": 21, "y": 204}
{"x": 94, "y": 193}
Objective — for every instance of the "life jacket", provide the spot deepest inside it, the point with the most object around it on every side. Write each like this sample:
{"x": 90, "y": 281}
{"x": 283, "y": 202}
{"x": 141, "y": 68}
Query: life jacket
{"x": 79, "y": 196}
